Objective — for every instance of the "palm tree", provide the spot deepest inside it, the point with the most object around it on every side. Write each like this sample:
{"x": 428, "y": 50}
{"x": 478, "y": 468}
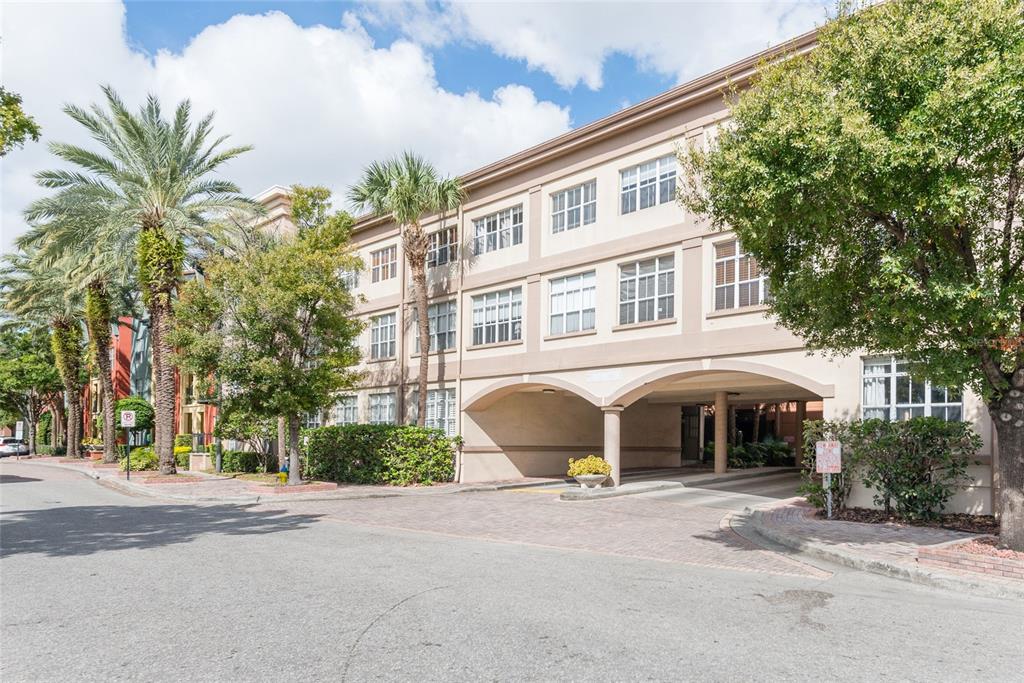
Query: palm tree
{"x": 33, "y": 291}
{"x": 150, "y": 193}
{"x": 410, "y": 189}
{"x": 106, "y": 280}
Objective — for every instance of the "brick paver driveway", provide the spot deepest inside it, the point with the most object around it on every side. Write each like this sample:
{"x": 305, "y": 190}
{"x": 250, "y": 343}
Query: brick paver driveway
{"x": 632, "y": 526}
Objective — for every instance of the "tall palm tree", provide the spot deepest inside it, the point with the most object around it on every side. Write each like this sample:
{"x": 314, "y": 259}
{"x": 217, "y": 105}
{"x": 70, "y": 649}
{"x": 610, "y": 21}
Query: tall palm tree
{"x": 152, "y": 194}
{"x": 105, "y": 278}
{"x": 36, "y": 292}
{"x": 409, "y": 189}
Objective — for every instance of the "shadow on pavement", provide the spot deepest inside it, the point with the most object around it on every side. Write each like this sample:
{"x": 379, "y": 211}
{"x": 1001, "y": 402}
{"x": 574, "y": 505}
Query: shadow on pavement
{"x": 84, "y": 530}
{"x": 15, "y": 479}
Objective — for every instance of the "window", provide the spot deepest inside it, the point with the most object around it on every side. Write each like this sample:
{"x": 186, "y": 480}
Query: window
{"x": 382, "y": 408}
{"x": 738, "y": 279}
{"x": 498, "y": 230}
{"x": 498, "y": 316}
{"x": 444, "y": 247}
{"x": 440, "y": 410}
{"x": 572, "y": 303}
{"x": 441, "y": 317}
{"x": 647, "y": 290}
{"x": 384, "y": 263}
{"x": 890, "y": 393}
{"x": 574, "y": 207}
{"x": 349, "y": 278}
{"x": 311, "y": 420}
{"x": 648, "y": 184}
{"x": 382, "y": 336}
{"x": 346, "y": 410}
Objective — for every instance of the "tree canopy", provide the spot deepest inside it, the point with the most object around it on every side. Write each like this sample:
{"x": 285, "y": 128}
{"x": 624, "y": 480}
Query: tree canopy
{"x": 877, "y": 180}
{"x": 15, "y": 125}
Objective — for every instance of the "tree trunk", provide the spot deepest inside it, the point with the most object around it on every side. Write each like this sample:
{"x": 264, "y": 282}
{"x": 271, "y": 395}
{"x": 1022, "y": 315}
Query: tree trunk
{"x": 294, "y": 463}
{"x": 74, "y": 421}
{"x": 282, "y": 442}
{"x": 756, "y": 432}
{"x": 163, "y": 390}
{"x": 1008, "y": 416}
{"x": 97, "y": 319}
{"x": 33, "y": 420}
{"x": 57, "y": 423}
{"x": 419, "y": 281}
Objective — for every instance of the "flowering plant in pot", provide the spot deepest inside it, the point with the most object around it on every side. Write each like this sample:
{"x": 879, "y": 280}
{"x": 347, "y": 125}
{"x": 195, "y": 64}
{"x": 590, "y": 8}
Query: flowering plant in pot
{"x": 590, "y": 471}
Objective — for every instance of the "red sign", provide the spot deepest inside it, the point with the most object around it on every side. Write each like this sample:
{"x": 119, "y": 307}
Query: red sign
{"x": 828, "y": 457}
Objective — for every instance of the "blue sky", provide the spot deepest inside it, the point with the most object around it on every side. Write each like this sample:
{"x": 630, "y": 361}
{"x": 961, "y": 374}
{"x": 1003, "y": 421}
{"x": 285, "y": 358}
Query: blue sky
{"x": 321, "y": 89}
{"x": 153, "y": 25}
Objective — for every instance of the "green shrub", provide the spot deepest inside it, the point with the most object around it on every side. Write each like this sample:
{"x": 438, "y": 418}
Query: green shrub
{"x": 247, "y": 462}
{"x": 181, "y": 457}
{"x": 143, "y": 458}
{"x": 44, "y": 450}
{"x": 379, "y": 454}
{"x": 144, "y": 414}
{"x": 44, "y": 428}
{"x": 182, "y": 440}
{"x": 914, "y": 466}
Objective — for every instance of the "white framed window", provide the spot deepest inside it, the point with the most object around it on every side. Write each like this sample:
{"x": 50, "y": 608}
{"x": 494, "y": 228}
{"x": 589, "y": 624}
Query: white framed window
{"x": 891, "y": 393}
{"x": 311, "y": 420}
{"x": 572, "y": 306}
{"x": 648, "y": 184}
{"x": 498, "y": 230}
{"x": 647, "y": 290}
{"x": 350, "y": 278}
{"x": 382, "y": 336}
{"x": 498, "y": 316}
{"x": 441, "y": 410}
{"x": 444, "y": 247}
{"x": 739, "y": 281}
{"x": 574, "y": 207}
{"x": 384, "y": 263}
{"x": 346, "y": 410}
{"x": 382, "y": 408}
{"x": 441, "y": 317}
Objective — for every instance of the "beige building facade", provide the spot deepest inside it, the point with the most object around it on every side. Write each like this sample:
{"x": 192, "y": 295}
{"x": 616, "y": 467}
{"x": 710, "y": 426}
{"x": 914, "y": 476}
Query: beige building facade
{"x": 576, "y": 308}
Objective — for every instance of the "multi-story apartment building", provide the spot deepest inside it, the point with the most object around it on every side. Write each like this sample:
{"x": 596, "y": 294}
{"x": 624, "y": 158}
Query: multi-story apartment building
{"x": 576, "y": 308}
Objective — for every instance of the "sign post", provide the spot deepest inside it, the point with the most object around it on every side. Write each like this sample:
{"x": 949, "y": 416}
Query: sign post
{"x": 19, "y": 430}
{"x": 828, "y": 460}
{"x": 127, "y": 422}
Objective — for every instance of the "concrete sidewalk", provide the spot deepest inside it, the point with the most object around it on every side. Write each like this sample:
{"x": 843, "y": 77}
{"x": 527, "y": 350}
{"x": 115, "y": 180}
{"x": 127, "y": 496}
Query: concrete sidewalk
{"x": 887, "y": 549}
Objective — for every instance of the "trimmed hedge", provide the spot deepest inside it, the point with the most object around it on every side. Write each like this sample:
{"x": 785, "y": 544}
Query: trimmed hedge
{"x": 247, "y": 462}
{"x": 380, "y": 454}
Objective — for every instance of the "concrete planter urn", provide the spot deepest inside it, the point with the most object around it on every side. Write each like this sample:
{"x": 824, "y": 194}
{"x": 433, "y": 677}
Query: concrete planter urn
{"x": 590, "y": 481}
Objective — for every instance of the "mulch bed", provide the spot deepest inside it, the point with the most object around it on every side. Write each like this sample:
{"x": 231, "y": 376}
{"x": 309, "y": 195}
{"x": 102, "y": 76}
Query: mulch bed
{"x": 989, "y": 546}
{"x": 972, "y": 524}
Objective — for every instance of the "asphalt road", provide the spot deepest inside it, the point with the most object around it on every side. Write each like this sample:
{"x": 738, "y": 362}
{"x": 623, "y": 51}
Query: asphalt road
{"x": 95, "y": 585}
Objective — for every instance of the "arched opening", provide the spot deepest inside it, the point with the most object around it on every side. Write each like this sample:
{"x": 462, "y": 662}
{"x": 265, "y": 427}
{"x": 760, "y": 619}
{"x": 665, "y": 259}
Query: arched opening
{"x": 528, "y": 427}
{"x": 731, "y": 413}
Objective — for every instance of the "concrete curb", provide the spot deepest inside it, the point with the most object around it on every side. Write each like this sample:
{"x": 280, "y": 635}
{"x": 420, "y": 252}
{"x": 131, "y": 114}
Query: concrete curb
{"x": 631, "y": 489}
{"x": 993, "y": 588}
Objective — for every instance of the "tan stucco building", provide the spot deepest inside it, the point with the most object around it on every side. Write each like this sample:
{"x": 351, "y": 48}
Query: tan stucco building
{"x": 576, "y": 308}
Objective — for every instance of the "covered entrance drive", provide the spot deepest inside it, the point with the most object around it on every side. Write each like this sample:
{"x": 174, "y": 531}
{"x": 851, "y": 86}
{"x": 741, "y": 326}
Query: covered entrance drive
{"x": 667, "y": 418}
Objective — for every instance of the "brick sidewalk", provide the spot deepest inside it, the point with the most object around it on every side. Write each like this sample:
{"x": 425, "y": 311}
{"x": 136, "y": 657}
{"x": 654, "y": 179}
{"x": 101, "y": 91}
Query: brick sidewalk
{"x": 631, "y": 527}
{"x": 881, "y": 548}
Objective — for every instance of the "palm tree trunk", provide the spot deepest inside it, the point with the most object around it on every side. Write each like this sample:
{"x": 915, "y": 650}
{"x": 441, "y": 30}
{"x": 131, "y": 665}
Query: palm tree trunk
{"x": 282, "y": 441}
{"x": 163, "y": 389}
{"x": 419, "y": 279}
{"x": 74, "y": 421}
{"x": 33, "y": 420}
{"x": 97, "y": 319}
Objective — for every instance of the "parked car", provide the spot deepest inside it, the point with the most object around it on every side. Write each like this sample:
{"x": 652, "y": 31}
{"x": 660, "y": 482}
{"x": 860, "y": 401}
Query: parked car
{"x": 11, "y": 446}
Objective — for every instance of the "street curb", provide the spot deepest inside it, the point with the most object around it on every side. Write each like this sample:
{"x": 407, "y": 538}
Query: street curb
{"x": 924, "y": 577}
{"x": 631, "y": 489}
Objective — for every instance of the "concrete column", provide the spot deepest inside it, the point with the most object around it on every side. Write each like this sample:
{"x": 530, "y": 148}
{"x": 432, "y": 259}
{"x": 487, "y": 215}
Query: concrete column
{"x": 721, "y": 431}
{"x": 801, "y": 415}
{"x": 611, "y": 441}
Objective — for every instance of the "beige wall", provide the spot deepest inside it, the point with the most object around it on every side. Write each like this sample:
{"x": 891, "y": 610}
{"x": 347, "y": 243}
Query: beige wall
{"x": 511, "y": 429}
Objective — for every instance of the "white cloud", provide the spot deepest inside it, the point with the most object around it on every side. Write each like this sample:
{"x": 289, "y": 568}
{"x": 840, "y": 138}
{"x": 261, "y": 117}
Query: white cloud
{"x": 317, "y": 103}
{"x": 571, "y": 40}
